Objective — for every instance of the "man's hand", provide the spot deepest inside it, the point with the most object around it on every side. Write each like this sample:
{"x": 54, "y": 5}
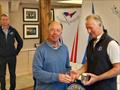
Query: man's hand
{"x": 65, "y": 78}
{"x": 74, "y": 75}
{"x": 93, "y": 78}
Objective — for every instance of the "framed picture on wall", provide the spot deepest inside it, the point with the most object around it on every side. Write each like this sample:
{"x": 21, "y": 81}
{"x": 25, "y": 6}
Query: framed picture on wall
{"x": 30, "y": 14}
{"x": 30, "y": 31}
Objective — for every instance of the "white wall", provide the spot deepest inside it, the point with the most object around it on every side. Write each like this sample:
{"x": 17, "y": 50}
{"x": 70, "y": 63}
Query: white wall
{"x": 70, "y": 25}
{"x": 16, "y": 20}
{"x": 104, "y": 9}
{"x": 4, "y": 7}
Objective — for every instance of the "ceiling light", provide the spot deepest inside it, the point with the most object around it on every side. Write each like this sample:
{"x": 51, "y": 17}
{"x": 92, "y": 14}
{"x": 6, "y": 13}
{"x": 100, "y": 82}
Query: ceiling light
{"x": 37, "y": 0}
{"x": 71, "y": 2}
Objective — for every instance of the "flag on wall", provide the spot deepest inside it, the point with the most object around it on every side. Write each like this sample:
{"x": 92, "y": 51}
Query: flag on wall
{"x": 84, "y": 57}
{"x": 75, "y": 47}
{"x": 89, "y": 38}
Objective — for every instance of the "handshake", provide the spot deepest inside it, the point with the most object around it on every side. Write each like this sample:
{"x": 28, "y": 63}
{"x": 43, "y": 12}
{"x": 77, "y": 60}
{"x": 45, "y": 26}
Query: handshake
{"x": 72, "y": 76}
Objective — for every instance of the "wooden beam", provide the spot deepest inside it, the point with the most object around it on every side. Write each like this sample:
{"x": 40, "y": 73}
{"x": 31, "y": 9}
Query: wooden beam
{"x": 66, "y": 6}
{"x": 44, "y": 13}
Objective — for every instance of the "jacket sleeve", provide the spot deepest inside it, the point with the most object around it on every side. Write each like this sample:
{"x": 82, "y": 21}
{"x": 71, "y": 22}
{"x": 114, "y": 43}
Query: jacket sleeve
{"x": 19, "y": 42}
{"x": 39, "y": 73}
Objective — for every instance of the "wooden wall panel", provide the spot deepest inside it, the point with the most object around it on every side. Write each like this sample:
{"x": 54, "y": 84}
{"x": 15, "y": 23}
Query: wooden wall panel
{"x": 44, "y": 8}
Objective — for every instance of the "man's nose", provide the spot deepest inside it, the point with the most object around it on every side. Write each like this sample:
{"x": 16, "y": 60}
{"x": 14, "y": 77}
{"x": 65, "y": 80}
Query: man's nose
{"x": 89, "y": 31}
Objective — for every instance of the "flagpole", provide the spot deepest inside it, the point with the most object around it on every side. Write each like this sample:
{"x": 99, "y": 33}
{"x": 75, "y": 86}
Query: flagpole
{"x": 72, "y": 52}
{"x": 93, "y": 9}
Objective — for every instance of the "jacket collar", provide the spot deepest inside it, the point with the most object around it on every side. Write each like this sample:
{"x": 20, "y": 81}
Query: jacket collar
{"x": 9, "y": 29}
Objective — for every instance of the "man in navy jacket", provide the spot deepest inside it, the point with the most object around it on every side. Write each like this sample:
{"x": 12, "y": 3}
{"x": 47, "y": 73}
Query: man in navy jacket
{"x": 103, "y": 57}
{"x": 8, "y": 51}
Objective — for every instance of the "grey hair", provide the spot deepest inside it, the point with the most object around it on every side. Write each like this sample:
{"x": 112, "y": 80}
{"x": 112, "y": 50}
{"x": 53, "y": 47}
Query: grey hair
{"x": 97, "y": 18}
{"x": 55, "y": 21}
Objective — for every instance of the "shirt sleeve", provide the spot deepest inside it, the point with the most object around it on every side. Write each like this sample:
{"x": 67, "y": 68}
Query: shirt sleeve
{"x": 113, "y": 51}
{"x": 39, "y": 73}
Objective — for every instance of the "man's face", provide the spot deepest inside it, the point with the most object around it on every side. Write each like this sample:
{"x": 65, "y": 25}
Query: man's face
{"x": 4, "y": 21}
{"x": 54, "y": 32}
{"x": 93, "y": 28}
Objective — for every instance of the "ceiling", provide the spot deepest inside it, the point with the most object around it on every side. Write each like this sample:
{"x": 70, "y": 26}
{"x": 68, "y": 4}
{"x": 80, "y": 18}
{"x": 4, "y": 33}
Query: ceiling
{"x": 53, "y": 2}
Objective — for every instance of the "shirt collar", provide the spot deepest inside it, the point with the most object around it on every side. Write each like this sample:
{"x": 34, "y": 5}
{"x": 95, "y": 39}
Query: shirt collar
{"x": 5, "y": 29}
{"x": 99, "y": 36}
{"x": 51, "y": 45}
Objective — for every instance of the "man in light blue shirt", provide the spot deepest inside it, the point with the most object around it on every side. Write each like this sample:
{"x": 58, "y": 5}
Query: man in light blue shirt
{"x": 51, "y": 61}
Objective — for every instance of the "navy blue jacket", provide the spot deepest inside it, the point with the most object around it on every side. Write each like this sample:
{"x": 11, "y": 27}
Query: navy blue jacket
{"x": 7, "y": 46}
{"x": 99, "y": 62}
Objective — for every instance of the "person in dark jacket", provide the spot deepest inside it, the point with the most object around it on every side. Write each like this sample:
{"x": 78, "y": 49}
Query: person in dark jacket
{"x": 103, "y": 57}
{"x": 8, "y": 51}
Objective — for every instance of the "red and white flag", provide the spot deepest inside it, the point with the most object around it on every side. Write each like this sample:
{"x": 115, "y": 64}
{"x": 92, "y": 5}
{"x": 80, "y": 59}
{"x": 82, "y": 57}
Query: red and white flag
{"x": 75, "y": 47}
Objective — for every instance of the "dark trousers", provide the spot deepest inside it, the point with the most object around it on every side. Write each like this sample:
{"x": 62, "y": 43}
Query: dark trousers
{"x": 11, "y": 61}
{"x": 34, "y": 79}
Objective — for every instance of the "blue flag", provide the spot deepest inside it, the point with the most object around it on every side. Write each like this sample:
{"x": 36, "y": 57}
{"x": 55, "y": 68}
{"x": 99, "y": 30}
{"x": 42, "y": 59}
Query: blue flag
{"x": 85, "y": 54}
